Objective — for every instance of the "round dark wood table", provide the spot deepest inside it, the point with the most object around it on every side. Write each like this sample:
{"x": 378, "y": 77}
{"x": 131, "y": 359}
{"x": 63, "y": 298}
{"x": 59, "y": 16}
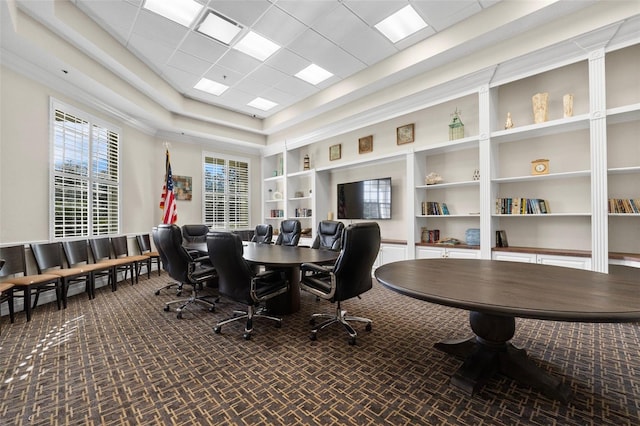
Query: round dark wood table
{"x": 287, "y": 258}
{"x": 496, "y": 292}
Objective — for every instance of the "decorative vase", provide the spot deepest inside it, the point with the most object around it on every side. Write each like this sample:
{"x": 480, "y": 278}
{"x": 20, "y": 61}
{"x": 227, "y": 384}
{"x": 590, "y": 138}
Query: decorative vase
{"x": 540, "y": 107}
{"x": 456, "y": 127}
{"x": 567, "y": 103}
{"x": 509, "y": 123}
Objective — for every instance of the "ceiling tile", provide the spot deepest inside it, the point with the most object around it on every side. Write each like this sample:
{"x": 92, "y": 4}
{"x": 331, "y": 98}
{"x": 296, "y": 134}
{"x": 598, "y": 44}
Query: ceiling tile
{"x": 374, "y": 11}
{"x": 238, "y": 62}
{"x": 287, "y": 62}
{"x": 116, "y": 17}
{"x": 239, "y": 11}
{"x": 267, "y": 75}
{"x": 307, "y": 12}
{"x": 154, "y": 52}
{"x": 189, "y": 63}
{"x": 322, "y": 52}
{"x": 203, "y": 47}
{"x": 155, "y": 27}
{"x": 279, "y": 27}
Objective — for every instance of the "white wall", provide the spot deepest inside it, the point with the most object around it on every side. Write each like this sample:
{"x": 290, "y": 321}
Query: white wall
{"x": 24, "y": 166}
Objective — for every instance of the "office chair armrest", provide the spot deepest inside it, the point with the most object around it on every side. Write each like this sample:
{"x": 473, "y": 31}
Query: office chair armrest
{"x": 316, "y": 269}
{"x": 269, "y": 275}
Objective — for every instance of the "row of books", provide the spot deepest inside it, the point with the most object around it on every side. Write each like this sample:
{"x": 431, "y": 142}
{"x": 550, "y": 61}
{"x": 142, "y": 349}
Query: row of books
{"x": 522, "y": 206}
{"x": 433, "y": 208}
{"x": 277, "y": 213}
{"x": 624, "y": 205}
{"x": 303, "y": 212}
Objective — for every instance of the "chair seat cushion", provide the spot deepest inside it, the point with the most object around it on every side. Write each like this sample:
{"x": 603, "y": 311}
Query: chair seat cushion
{"x": 319, "y": 284}
{"x": 33, "y": 279}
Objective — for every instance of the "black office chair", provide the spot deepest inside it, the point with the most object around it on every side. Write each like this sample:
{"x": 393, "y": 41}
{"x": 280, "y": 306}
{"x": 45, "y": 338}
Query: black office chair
{"x": 329, "y": 236}
{"x": 183, "y": 268}
{"x": 263, "y": 234}
{"x": 163, "y": 261}
{"x": 195, "y": 233}
{"x": 238, "y": 281}
{"x": 289, "y": 234}
{"x": 349, "y": 277}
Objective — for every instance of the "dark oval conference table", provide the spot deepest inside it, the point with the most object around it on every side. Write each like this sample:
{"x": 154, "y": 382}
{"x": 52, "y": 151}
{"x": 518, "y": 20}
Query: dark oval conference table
{"x": 287, "y": 258}
{"x": 496, "y": 292}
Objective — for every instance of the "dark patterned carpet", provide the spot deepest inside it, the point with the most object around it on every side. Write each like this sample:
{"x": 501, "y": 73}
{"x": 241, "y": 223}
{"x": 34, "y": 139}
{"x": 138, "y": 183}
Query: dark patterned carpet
{"x": 121, "y": 360}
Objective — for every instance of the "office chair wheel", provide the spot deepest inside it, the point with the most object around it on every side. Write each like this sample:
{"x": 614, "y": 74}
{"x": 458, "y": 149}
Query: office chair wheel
{"x": 312, "y": 321}
{"x": 368, "y": 327}
{"x": 167, "y": 308}
{"x": 179, "y": 315}
{"x": 157, "y": 292}
{"x": 179, "y": 293}
{"x": 212, "y": 309}
{"x": 217, "y": 329}
{"x": 278, "y": 324}
{"x": 247, "y": 336}
{"x": 313, "y": 336}
{"x": 352, "y": 341}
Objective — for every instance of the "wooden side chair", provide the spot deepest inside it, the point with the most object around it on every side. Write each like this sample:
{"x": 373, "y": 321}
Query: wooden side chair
{"x": 14, "y": 272}
{"x": 77, "y": 254}
{"x": 121, "y": 252}
{"x": 6, "y": 294}
{"x": 101, "y": 252}
{"x": 49, "y": 259}
{"x": 144, "y": 245}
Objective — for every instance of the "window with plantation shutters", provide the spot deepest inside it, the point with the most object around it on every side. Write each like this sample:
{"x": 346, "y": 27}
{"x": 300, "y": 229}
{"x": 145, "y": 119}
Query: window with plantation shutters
{"x": 85, "y": 175}
{"x": 226, "y": 192}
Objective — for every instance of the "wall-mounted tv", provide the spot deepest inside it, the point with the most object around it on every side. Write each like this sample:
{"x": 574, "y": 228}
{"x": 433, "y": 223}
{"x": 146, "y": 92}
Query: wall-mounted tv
{"x": 366, "y": 199}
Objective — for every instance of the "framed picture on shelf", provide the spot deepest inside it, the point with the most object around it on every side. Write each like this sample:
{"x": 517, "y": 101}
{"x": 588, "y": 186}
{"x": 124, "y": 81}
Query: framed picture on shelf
{"x": 365, "y": 144}
{"x": 335, "y": 152}
{"x": 405, "y": 134}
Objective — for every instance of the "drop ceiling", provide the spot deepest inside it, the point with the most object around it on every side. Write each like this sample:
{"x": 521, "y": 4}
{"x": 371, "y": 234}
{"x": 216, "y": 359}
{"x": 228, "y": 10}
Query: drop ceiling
{"x": 340, "y": 36}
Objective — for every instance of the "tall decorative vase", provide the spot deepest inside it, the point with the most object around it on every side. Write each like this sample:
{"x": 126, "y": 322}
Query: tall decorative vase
{"x": 567, "y": 103}
{"x": 540, "y": 107}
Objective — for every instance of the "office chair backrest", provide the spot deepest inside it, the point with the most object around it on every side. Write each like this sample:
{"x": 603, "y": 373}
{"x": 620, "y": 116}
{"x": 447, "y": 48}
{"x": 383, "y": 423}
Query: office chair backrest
{"x": 290, "y": 231}
{"x": 329, "y": 235}
{"x": 263, "y": 234}
{"x": 14, "y": 261}
{"x": 178, "y": 261}
{"x": 195, "y": 233}
{"x": 234, "y": 273}
{"x": 360, "y": 247}
{"x": 156, "y": 242}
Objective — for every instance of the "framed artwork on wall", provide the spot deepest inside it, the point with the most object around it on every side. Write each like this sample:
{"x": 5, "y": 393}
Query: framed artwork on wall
{"x": 405, "y": 134}
{"x": 182, "y": 187}
{"x": 365, "y": 144}
{"x": 335, "y": 152}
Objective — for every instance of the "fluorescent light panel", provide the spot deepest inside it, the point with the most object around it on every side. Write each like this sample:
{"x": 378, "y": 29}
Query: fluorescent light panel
{"x": 211, "y": 87}
{"x": 314, "y": 74}
{"x": 401, "y": 24}
{"x": 262, "y": 104}
{"x": 184, "y": 12}
{"x": 257, "y": 46}
{"x": 219, "y": 28}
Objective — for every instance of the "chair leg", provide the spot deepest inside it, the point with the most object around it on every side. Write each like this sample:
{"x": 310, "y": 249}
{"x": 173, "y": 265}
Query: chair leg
{"x": 249, "y": 315}
{"x": 339, "y": 317}
{"x": 193, "y": 299}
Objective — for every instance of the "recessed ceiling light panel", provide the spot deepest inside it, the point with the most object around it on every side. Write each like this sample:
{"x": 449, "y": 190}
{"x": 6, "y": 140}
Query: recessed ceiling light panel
{"x": 314, "y": 74}
{"x": 263, "y": 104}
{"x": 211, "y": 87}
{"x": 219, "y": 28}
{"x": 401, "y": 24}
{"x": 257, "y": 46}
{"x": 184, "y": 12}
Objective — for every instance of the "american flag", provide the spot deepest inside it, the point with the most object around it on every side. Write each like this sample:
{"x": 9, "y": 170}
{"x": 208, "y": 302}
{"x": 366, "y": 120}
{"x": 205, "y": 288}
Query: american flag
{"x": 168, "y": 199}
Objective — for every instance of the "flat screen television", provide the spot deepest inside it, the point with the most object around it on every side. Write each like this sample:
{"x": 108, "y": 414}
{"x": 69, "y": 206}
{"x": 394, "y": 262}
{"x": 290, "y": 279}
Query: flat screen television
{"x": 365, "y": 199}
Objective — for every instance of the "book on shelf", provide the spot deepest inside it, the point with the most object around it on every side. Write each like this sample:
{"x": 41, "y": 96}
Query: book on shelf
{"x": 624, "y": 205}
{"x": 501, "y": 239}
{"x": 434, "y": 208}
{"x": 522, "y": 206}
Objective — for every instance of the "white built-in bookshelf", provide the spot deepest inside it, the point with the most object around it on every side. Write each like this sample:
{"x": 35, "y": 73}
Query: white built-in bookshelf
{"x": 594, "y": 155}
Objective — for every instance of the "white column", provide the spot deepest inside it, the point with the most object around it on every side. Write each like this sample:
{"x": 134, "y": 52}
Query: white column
{"x": 598, "y": 136}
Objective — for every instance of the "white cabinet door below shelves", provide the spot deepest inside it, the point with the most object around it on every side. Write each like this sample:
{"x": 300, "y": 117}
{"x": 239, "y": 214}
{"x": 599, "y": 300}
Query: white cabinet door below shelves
{"x": 453, "y": 253}
{"x": 566, "y": 261}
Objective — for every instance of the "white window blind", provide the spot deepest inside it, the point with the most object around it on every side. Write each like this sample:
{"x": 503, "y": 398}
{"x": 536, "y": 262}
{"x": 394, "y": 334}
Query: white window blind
{"x": 85, "y": 176}
{"x": 226, "y": 192}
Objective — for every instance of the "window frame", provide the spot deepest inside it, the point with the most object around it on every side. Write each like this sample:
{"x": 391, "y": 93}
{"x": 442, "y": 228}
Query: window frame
{"x": 90, "y": 178}
{"x": 226, "y": 158}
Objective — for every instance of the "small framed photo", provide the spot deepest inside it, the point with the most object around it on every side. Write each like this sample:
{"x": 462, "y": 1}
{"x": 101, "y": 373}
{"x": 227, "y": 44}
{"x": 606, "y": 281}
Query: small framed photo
{"x": 365, "y": 144}
{"x": 335, "y": 152}
{"x": 405, "y": 134}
